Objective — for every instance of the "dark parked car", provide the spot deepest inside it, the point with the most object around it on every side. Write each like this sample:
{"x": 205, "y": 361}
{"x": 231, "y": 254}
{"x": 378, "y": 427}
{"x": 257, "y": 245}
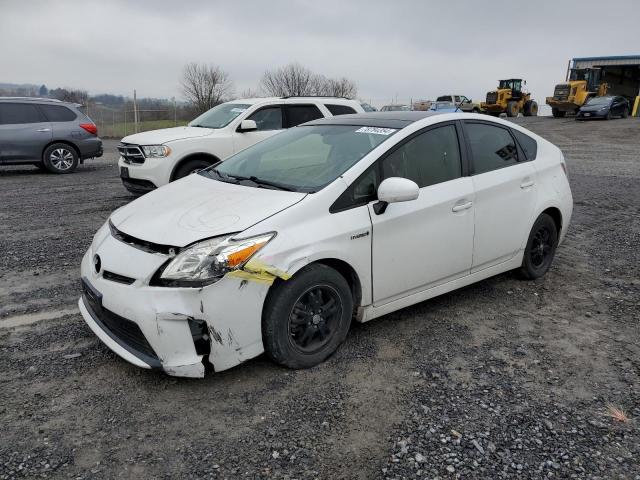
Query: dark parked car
{"x": 604, "y": 107}
{"x": 47, "y": 133}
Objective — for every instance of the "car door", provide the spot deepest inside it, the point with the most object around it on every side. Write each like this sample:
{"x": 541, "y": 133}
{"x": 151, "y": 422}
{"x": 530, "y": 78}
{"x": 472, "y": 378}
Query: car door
{"x": 505, "y": 189}
{"x": 422, "y": 243}
{"x": 24, "y": 132}
{"x": 269, "y": 120}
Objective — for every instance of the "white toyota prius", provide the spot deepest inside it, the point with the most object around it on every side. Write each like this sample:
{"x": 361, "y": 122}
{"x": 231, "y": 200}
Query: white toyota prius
{"x": 280, "y": 247}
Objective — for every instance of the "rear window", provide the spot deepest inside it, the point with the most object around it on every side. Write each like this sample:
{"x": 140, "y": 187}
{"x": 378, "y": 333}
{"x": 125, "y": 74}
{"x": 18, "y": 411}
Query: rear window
{"x": 339, "y": 109}
{"x": 17, "y": 113}
{"x": 58, "y": 113}
{"x": 528, "y": 144}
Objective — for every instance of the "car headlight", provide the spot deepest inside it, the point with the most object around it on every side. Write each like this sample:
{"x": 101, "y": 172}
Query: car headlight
{"x": 156, "y": 151}
{"x": 206, "y": 262}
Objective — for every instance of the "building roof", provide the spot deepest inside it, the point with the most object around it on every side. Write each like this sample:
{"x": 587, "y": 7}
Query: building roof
{"x": 584, "y": 62}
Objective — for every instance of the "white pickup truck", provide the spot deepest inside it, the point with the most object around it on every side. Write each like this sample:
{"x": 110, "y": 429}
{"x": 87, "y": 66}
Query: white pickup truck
{"x": 462, "y": 102}
{"x": 151, "y": 159}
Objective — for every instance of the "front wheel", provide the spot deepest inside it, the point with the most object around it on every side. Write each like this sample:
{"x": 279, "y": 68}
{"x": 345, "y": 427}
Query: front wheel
{"x": 60, "y": 158}
{"x": 306, "y": 318}
{"x": 540, "y": 249}
{"x": 191, "y": 166}
{"x": 512, "y": 109}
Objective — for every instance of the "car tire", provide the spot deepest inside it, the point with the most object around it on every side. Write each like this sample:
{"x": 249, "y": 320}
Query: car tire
{"x": 625, "y": 113}
{"x": 306, "y": 318}
{"x": 191, "y": 166}
{"x": 60, "y": 158}
{"x": 540, "y": 249}
{"x": 512, "y": 109}
{"x": 608, "y": 115}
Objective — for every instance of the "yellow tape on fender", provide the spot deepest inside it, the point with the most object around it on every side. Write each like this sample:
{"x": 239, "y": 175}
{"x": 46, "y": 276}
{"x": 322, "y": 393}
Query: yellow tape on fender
{"x": 258, "y": 271}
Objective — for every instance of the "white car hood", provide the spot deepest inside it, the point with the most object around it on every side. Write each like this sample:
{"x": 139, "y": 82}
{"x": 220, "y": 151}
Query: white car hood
{"x": 164, "y": 135}
{"x": 196, "y": 207}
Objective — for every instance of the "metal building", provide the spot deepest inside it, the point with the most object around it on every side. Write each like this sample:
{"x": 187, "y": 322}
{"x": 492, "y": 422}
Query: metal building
{"x": 622, "y": 73}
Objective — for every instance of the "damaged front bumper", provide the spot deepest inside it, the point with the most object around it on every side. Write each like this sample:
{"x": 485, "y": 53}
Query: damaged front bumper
{"x": 173, "y": 329}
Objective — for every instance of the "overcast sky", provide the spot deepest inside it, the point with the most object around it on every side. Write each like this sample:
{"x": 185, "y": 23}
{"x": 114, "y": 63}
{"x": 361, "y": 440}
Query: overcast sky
{"x": 412, "y": 49}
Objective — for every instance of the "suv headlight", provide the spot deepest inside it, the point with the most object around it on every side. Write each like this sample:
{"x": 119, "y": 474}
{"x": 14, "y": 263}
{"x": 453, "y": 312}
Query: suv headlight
{"x": 156, "y": 151}
{"x": 206, "y": 262}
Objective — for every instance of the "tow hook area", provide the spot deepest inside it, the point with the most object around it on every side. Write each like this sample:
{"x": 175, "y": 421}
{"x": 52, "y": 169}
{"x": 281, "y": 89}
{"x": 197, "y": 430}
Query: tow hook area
{"x": 200, "y": 335}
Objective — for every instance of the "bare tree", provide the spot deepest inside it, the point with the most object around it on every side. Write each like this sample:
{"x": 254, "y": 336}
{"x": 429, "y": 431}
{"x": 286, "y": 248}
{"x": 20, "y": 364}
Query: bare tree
{"x": 296, "y": 80}
{"x": 205, "y": 86}
{"x": 290, "y": 80}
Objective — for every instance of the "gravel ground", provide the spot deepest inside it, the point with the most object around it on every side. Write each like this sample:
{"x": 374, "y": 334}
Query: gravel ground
{"x": 502, "y": 379}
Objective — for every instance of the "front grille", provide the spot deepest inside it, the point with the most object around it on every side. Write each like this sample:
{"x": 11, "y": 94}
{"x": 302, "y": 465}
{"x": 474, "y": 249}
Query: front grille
{"x": 561, "y": 92}
{"x": 148, "y": 247}
{"x": 125, "y": 332}
{"x": 131, "y": 153}
{"x": 115, "y": 277}
{"x": 492, "y": 97}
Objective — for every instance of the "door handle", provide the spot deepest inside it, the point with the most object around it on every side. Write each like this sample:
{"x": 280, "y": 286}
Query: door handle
{"x": 527, "y": 184}
{"x": 43, "y": 130}
{"x": 458, "y": 207}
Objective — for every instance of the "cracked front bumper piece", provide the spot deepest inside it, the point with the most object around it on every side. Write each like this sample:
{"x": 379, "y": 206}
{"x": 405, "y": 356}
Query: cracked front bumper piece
{"x": 176, "y": 330}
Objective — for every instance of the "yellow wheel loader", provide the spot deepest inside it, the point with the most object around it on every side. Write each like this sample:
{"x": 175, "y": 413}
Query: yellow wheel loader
{"x": 581, "y": 85}
{"x": 510, "y": 98}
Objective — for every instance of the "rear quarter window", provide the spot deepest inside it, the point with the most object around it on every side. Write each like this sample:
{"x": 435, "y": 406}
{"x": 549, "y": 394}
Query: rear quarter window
{"x": 528, "y": 144}
{"x": 58, "y": 113}
{"x": 339, "y": 109}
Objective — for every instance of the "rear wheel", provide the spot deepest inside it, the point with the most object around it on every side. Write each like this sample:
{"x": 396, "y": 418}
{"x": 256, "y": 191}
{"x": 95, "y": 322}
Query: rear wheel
{"x": 306, "y": 318}
{"x": 191, "y": 166}
{"x": 60, "y": 158}
{"x": 530, "y": 108}
{"x": 512, "y": 109}
{"x": 625, "y": 113}
{"x": 557, "y": 113}
{"x": 540, "y": 249}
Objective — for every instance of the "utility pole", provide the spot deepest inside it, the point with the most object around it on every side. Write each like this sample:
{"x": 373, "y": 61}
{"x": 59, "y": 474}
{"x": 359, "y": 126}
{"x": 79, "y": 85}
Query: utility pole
{"x": 175, "y": 113}
{"x": 135, "y": 112}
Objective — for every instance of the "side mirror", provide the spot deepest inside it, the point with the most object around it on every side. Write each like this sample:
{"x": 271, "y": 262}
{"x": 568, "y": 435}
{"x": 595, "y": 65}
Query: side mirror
{"x": 394, "y": 190}
{"x": 247, "y": 126}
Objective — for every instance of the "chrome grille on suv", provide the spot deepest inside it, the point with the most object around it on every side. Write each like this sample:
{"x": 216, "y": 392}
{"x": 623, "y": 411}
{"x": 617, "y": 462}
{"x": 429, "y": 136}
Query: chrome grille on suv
{"x": 131, "y": 153}
{"x": 492, "y": 97}
{"x": 561, "y": 92}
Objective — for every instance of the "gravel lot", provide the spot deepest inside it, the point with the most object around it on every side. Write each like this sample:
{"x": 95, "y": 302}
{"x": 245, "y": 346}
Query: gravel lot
{"x": 502, "y": 379}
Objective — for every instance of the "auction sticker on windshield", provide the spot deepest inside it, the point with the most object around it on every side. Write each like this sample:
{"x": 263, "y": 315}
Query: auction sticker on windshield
{"x": 376, "y": 130}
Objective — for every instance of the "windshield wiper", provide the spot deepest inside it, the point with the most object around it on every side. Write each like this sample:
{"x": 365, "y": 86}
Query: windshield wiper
{"x": 261, "y": 182}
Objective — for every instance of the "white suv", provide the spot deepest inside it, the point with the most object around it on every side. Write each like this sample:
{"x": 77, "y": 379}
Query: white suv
{"x": 151, "y": 159}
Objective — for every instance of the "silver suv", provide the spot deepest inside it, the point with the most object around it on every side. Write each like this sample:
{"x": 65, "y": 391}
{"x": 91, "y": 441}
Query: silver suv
{"x": 48, "y": 133}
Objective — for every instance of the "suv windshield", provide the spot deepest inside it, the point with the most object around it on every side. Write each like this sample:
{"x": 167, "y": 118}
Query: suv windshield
{"x": 600, "y": 101}
{"x": 302, "y": 159}
{"x": 219, "y": 116}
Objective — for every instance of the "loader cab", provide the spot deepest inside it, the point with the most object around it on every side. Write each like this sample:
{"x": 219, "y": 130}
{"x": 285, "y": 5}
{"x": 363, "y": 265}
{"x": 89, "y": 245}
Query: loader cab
{"x": 592, "y": 76}
{"x": 513, "y": 84}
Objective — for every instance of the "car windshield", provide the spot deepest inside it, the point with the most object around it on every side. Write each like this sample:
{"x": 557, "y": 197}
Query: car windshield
{"x": 600, "y": 101}
{"x": 219, "y": 116}
{"x": 302, "y": 159}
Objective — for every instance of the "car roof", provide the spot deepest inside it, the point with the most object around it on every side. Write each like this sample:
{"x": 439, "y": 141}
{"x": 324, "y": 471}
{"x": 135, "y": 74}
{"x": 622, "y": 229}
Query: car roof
{"x": 292, "y": 99}
{"x": 53, "y": 101}
{"x": 397, "y": 119}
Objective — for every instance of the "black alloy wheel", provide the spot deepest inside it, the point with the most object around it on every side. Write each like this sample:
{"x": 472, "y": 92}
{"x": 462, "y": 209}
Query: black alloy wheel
{"x": 314, "y": 318}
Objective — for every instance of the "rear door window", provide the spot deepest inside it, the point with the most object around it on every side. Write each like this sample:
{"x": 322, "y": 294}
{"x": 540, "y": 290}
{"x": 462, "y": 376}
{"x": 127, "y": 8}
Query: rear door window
{"x": 268, "y": 118}
{"x": 528, "y": 144}
{"x": 58, "y": 113}
{"x": 492, "y": 147}
{"x": 298, "y": 114}
{"x": 339, "y": 109}
{"x": 19, "y": 113}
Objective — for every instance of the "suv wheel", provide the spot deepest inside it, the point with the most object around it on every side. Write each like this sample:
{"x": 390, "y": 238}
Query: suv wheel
{"x": 60, "y": 158}
{"x": 306, "y": 318}
{"x": 191, "y": 166}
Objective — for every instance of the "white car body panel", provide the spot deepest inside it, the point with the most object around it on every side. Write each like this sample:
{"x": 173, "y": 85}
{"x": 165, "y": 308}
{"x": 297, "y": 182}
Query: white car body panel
{"x": 397, "y": 259}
